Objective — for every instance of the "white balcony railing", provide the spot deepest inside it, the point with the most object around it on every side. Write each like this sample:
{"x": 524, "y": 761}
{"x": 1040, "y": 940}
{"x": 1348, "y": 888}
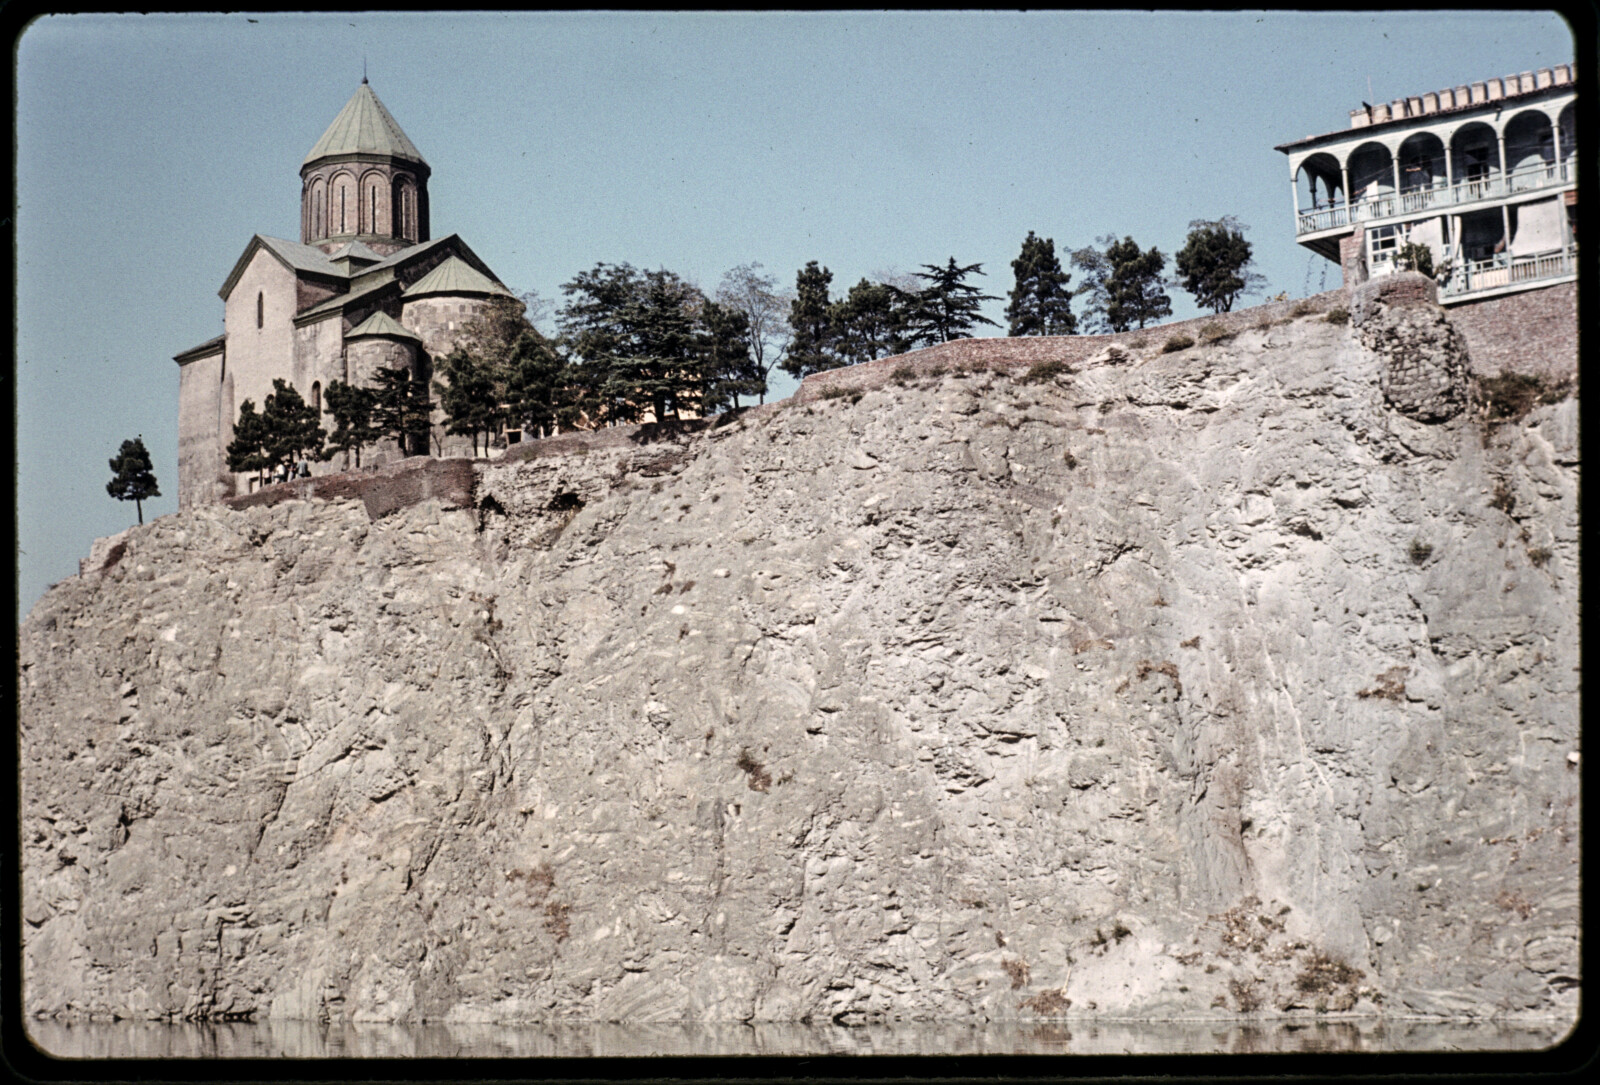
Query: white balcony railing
{"x": 1386, "y": 204}
{"x": 1500, "y": 270}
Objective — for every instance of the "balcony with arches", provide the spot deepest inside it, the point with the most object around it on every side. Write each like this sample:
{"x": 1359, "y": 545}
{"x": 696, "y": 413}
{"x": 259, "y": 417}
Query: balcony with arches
{"x": 1446, "y": 166}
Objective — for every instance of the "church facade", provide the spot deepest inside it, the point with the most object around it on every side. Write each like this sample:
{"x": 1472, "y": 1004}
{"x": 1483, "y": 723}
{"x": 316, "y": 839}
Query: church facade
{"x": 365, "y": 287}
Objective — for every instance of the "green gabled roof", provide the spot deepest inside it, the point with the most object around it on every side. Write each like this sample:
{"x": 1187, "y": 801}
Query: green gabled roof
{"x": 404, "y": 256}
{"x": 455, "y": 276}
{"x": 295, "y": 256}
{"x": 339, "y": 302}
{"x": 355, "y": 250}
{"x": 381, "y": 323}
{"x": 363, "y": 126}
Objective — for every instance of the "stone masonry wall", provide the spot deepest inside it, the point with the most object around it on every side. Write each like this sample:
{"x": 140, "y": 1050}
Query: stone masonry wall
{"x": 1424, "y": 370}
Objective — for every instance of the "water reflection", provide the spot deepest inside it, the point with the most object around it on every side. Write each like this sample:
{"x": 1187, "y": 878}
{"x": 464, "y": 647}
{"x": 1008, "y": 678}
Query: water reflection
{"x": 310, "y": 1040}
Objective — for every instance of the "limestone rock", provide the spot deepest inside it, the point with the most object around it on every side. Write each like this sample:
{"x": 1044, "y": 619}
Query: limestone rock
{"x": 1205, "y": 683}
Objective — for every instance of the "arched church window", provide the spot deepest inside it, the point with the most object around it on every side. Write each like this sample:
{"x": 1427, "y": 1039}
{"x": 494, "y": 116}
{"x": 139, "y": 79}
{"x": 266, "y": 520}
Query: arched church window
{"x": 342, "y": 220}
{"x": 372, "y": 210}
{"x": 261, "y": 309}
{"x": 316, "y": 396}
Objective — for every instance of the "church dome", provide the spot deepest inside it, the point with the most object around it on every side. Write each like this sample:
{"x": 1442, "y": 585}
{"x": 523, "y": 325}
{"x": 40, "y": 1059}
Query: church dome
{"x": 364, "y": 127}
{"x": 364, "y": 182}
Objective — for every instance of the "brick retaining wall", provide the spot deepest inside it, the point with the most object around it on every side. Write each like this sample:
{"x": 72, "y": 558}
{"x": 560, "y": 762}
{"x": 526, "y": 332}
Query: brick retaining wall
{"x": 1534, "y": 332}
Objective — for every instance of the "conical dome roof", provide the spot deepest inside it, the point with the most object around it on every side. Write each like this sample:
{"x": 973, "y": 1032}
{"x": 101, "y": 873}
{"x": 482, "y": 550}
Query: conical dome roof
{"x": 380, "y": 323}
{"x": 363, "y": 126}
{"x": 455, "y": 276}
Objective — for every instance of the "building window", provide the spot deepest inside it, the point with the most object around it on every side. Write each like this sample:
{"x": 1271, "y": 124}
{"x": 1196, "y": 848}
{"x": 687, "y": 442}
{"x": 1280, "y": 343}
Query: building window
{"x": 1382, "y": 243}
{"x": 341, "y": 209}
{"x": 316, "y": 396}
{"x": 261, "y": 309}
{"x": 372, "y": 200}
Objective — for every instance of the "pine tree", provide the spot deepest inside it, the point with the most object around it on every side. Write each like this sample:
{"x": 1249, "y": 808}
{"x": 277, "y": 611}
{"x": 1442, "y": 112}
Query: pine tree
{"x": 1214, "y": 263}
{"x": 286, "y": 430}
{"x": 1040, "y": 304}
{"x": 402, "y": 409}
{"x": 294, "y": 427}
{"x": 469, "y": 396}
{"x": 731, "y": 368}
{"x": 812, "y": 348}
{"x": 351, "y": 408}
{"x": 595, "y": 323}
{"x": 538, "y": 394}
{"x": 637, "y": 342}
{"x": 247, "y": 450}
{"x": 668, "y": 366}
{"x": 947, "y": 307}
{"x": 1133, "y": 288}
{"x": 871, "y": 322}
{"x": 133, "y": 478}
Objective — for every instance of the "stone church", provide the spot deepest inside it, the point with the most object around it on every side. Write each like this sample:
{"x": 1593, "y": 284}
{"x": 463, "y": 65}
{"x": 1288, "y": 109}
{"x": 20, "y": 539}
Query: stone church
{"x": 365, "y": 287}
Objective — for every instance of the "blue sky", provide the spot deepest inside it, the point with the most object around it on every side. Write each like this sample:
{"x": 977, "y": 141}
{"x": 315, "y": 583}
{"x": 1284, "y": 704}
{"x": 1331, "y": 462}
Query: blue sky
{"x": 150, "y": 148}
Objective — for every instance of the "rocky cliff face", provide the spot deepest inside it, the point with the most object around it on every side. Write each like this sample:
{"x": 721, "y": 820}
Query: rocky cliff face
{"x": 1184, "y": 684}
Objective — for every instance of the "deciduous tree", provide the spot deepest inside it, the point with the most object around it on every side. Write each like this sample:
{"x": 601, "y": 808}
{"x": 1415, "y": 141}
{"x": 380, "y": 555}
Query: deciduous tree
{"x": 1091, "y": 261}
{"x": 766, "y": 310}
{"x": 133, "y": 478}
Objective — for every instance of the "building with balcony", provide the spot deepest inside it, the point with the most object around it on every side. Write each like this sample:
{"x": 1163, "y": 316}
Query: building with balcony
{"x": 1485, "y": 176}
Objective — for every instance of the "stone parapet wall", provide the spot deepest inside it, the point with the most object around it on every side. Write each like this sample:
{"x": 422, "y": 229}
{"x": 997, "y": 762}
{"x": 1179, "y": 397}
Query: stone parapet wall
{"x": 1020, "y": 353}
{"x": 382, "y": 490}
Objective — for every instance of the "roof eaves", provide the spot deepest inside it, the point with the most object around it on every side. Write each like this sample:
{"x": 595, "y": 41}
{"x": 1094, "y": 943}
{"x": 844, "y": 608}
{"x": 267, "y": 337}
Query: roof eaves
{"x": 204, "y": 350}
